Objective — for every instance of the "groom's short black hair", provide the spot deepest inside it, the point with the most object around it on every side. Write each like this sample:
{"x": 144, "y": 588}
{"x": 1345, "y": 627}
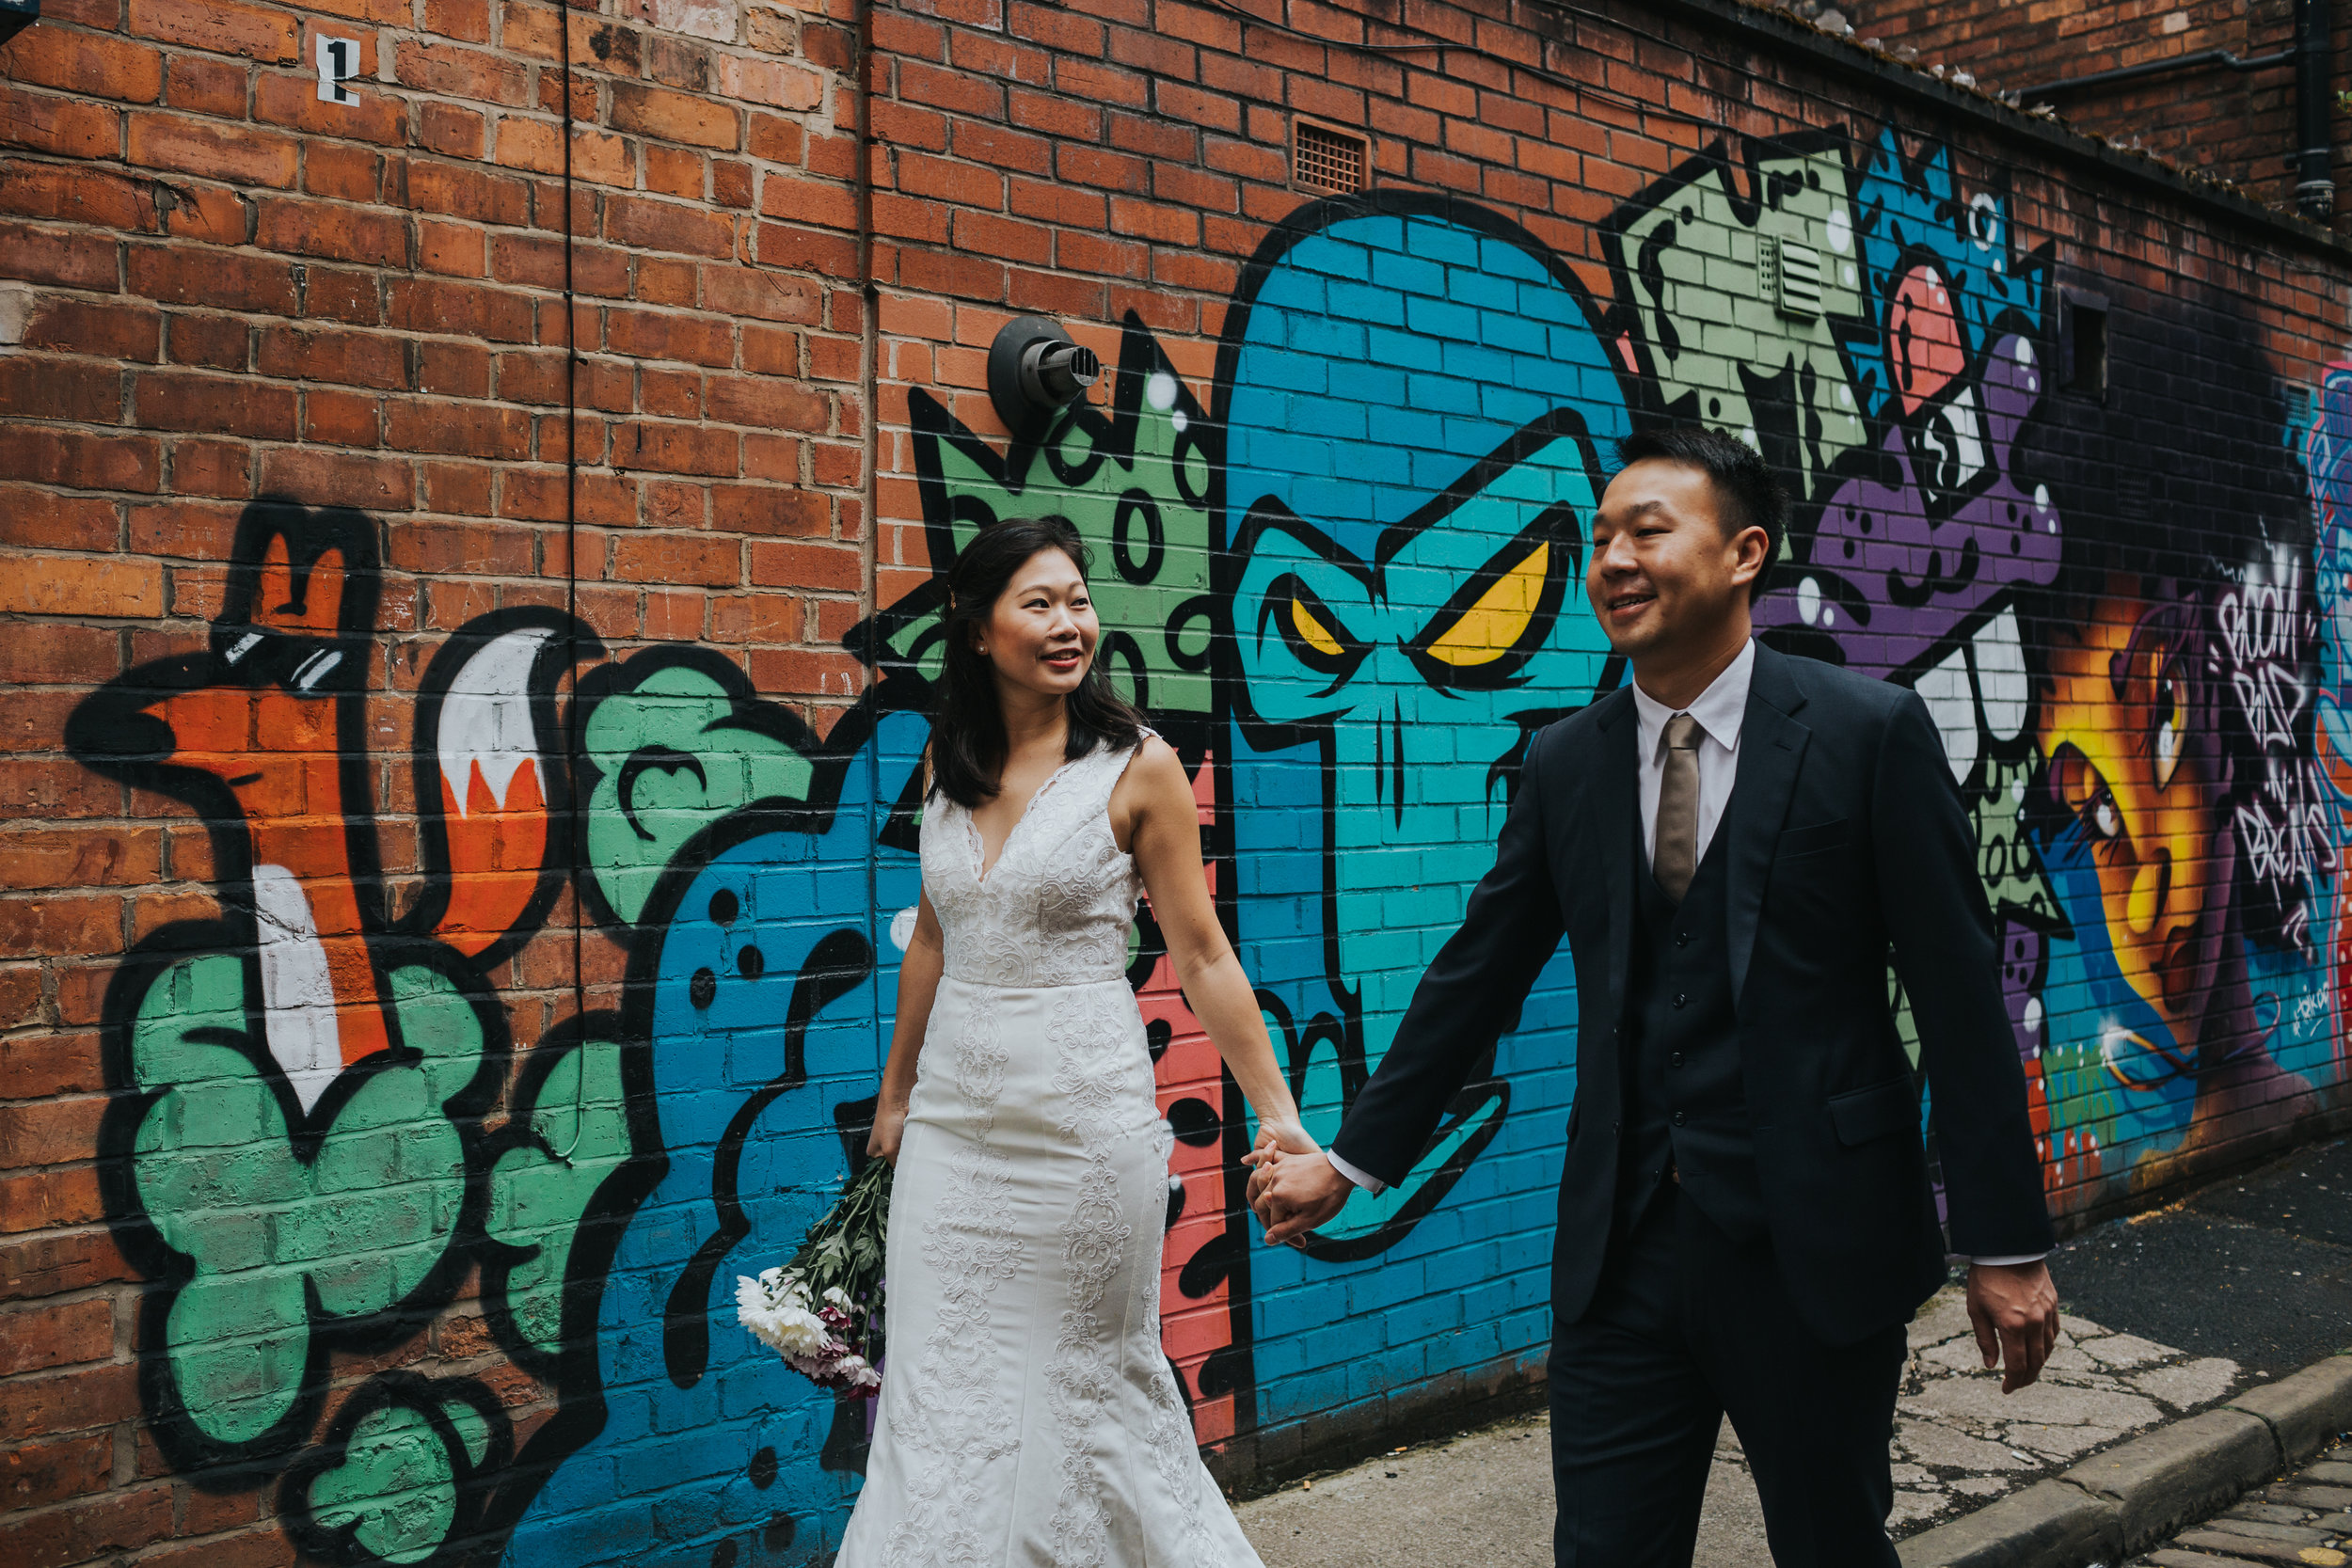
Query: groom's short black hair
{"x": 1747, "y": 494}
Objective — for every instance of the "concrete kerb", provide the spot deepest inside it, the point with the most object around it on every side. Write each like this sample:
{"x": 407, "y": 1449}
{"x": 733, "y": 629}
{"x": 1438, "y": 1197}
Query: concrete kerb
{"x": 2121, "y": 1502}
{"x": 2306, "y": 1410}
{"x": 2186, "y": 1471}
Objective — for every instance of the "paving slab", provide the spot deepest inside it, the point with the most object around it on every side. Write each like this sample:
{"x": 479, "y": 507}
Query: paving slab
{"x": 1484, "y": 1498}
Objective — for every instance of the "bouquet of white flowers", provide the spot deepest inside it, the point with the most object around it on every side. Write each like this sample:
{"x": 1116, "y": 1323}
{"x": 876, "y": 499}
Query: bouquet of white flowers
{"x": 822, "y": 1312}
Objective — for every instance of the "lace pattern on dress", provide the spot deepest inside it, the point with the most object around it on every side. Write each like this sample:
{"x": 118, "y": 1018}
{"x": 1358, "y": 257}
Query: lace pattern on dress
{"x": 1050, "y": 920}
{"x": 951, "y": 1403}
{"x": 1055, "y": 907}
{"x": 1174, "y": 1450}
{"x": 1087, "y": 1029}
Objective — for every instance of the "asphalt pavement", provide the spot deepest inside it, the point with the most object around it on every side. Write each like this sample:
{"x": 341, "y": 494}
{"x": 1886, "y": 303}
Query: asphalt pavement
{"x": 2255, "y": 1268}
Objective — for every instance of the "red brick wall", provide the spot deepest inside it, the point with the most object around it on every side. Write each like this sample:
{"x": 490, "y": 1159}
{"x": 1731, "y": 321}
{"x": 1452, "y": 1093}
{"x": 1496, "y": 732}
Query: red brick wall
{"x": 221, "y": 288}
{"x": 2238, "y": 126}
{"x": 303, "y": 558}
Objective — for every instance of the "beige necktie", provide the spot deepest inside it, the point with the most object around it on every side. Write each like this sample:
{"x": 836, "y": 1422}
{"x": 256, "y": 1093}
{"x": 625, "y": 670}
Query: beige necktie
{"x": 1675, "y": 860}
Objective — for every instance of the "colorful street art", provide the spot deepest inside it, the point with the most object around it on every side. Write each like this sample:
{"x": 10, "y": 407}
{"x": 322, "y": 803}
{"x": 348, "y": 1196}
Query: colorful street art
{"x": 1344, "y": 578}
{"x": 299, "y": 1148}
{"x": 1418, "y": 407}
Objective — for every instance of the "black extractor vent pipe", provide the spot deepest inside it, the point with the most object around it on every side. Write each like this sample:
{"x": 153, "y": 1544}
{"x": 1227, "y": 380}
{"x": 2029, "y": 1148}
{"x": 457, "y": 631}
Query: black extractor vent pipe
{"x": 2314, "y": 177}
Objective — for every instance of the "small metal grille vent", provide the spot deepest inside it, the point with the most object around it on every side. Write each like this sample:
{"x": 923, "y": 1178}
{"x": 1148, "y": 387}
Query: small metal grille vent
{"x": 1328, "y": 160}
{"x": 1794, "y": 274}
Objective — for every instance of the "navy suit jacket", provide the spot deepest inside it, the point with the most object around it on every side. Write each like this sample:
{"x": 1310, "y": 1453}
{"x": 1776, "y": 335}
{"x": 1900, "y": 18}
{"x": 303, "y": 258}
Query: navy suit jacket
{"x": 1847, "y": 837}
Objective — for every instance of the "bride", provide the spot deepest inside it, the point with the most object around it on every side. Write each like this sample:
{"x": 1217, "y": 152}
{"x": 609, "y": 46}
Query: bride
{"x": 1029, "y": 1414}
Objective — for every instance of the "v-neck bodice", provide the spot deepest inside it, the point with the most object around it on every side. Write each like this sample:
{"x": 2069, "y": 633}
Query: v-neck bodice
{"x": 982, "y": 864}
{"x": 1055, "y": 907}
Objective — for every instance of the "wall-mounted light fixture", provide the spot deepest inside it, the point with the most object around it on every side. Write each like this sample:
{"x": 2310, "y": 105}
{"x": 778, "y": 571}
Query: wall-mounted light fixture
{"x": 1035, "y": 371}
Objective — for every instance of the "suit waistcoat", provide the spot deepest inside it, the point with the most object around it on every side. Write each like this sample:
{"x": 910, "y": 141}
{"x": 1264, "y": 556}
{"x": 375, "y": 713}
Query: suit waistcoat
{"x": 1686, "y": 1109}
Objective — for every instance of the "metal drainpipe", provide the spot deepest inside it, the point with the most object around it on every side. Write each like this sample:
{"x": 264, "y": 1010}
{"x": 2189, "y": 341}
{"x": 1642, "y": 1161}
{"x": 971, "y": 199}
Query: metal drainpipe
{"x": 2314, "y": 177}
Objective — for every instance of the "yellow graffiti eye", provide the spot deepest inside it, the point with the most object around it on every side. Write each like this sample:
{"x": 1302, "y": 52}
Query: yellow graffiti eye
{"x": 1312, "y": 631}
{"x": 1493, "y": 625}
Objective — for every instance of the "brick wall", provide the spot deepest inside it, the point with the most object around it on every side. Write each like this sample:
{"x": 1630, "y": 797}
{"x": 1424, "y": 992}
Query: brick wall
{"x": 2238, "y": 126}
{"x": 461, "y": 746}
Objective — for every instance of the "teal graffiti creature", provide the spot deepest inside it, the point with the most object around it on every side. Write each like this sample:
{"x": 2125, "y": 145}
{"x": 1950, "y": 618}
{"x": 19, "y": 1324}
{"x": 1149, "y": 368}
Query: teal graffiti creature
{"x": 751, "y": 872}
{"x": 1416, "y": 408}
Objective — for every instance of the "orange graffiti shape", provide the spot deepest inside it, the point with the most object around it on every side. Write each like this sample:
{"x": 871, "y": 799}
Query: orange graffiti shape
{"x": 496, "y": 847}
{"x": 277, "y": 753}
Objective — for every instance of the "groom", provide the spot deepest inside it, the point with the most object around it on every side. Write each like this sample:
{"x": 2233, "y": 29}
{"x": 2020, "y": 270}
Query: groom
{"x": 1731, "y": 844}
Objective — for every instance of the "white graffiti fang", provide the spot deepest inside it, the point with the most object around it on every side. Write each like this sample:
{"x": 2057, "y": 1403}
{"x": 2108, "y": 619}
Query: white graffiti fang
{"x": 1944, "y": 689}
{"x": 485, "y": 718}
{"x": 2001, "y": 682}
{"x": 298, "y": 994}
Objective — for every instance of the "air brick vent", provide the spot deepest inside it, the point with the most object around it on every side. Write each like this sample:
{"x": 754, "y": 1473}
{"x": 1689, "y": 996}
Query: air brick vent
{"x": 1793, "y": 272}
{"x": 1327, "y": 160}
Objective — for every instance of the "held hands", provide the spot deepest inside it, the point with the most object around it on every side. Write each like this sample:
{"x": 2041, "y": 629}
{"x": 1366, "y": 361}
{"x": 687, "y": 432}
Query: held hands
{"x": 1292, "y": 1187}
{"x": 2015, "y": 1308}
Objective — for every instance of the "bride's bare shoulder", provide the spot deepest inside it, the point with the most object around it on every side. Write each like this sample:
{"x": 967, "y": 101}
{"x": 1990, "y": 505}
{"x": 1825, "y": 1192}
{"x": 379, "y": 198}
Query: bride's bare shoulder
{"x": 1154, "y": 784}
{"x": 1156, "y": 766}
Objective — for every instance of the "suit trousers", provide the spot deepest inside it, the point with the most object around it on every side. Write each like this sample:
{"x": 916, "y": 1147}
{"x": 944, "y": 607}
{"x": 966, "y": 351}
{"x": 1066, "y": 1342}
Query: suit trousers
{"x": 1688, "y": 1325}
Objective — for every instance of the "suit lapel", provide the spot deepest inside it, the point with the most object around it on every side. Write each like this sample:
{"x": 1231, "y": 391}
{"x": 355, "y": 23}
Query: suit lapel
{"x": 1772, "y": 745}
{"x": 1616, "y": 817}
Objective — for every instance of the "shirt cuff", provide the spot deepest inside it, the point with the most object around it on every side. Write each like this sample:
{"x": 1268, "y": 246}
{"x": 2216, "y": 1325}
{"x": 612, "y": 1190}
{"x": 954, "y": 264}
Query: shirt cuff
{"x": 2009, "y": 1262}
{"x": 1369, "y": 1182}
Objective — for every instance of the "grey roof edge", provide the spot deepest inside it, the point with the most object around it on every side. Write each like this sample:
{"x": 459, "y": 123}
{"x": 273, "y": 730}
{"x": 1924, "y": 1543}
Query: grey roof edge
{"x": 1837, "y": 56}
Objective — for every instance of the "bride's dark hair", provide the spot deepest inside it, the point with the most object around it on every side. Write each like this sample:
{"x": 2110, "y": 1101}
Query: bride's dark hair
{"x": 967, "y": 721}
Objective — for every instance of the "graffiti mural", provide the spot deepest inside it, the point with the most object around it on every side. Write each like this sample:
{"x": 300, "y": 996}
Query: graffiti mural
{"x": 1342, "y": 576}
{"x": 1912, "y": 540}
{"x": 1418, "y": 407}
{"x": 2181, "y": 657}
{"x": 740, "y": 862}
{"x": 296, "y": 1154}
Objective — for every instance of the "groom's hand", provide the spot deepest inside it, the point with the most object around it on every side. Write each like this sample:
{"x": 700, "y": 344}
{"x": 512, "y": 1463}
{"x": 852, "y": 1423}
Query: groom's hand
{"x": 1293, "y": 1193}
{"x": 2014, "y": 1309}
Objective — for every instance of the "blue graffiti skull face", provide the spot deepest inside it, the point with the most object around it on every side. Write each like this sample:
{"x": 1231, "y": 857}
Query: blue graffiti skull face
{"x": 1416, "y": 422}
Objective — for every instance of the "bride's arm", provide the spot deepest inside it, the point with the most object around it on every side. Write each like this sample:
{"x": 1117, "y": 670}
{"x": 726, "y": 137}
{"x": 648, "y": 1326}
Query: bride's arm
{"x": 919, "y": 984}
{"x": 1165, "y": 839}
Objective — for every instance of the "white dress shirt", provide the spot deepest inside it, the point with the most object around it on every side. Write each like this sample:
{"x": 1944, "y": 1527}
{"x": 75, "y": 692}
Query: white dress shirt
{"x": 1718, "y": 711}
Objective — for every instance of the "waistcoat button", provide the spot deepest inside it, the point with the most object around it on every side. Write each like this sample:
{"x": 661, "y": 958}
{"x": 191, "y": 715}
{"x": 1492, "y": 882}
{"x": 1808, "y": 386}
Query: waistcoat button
{"x": 1678, "y": 1119}
{"x": 1682, "y": 938}
{"x": 1675, "y": 1060}
{"x": 1682, "y": 1001}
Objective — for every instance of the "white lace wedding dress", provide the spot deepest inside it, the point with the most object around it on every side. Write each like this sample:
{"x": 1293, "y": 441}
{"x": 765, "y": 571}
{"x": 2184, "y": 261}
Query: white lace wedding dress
{"x": 1028, "y": 1414}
